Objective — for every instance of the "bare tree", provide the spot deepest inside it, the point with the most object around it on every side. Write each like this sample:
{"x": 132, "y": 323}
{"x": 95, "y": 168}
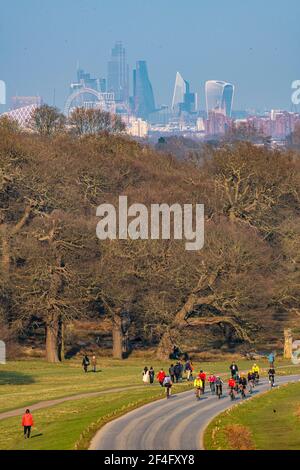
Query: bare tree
{"x": 47, "y": 120}
{"x": 94, "y": 121}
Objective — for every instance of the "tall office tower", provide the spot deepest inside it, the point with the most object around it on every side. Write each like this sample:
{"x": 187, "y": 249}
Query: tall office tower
{"x": 143, "y": 97}
{"x": 219, "y": 97}
{"x": 183, "y": 99}
{"x": 118, "y": 73}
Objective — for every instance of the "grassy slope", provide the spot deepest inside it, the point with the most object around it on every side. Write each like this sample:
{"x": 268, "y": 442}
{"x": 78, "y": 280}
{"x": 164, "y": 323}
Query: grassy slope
{"x": 267, "y": 429}
{"x": 25, "y": 382}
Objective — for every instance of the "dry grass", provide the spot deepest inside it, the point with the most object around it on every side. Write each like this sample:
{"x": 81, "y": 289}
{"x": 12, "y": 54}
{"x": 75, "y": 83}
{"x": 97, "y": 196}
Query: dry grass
{"x": 239, "y": 437}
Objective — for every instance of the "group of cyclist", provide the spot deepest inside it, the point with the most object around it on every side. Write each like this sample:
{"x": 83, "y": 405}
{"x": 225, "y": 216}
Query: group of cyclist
{"x": 238, "y": 382}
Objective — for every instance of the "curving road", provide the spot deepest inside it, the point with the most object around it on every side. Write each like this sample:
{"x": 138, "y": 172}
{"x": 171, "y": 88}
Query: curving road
{"x": 177, "y": 423}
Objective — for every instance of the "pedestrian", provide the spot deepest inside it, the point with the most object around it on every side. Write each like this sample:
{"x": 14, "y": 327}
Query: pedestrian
{"x": 188, "y": 370}
{"x": 151, "y": 375}
{"x": 146, "y": 376}
{"x": 161, "y": 377}
{"x": 177, "y": 371}
{"x": 271, "y": 358}
{"x": 172, "y": 373}
{"x": 27, "y": 423}
{"x": 94, "y": 363}
{"x": 85, "y": 362}
{"x": 234, "y": 369}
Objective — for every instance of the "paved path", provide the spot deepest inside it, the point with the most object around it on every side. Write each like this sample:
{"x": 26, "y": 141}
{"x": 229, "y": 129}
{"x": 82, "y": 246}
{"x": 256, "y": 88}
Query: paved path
{"x": 177, "y": 423}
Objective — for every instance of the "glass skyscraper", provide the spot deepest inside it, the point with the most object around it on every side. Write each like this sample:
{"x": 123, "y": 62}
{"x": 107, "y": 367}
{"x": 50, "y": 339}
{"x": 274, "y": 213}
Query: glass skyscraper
{"x": 219, "y": 97}
{"x": 183, "y": 99}
{"x": 118, "y": 73}
{"x": 143, "y": 97}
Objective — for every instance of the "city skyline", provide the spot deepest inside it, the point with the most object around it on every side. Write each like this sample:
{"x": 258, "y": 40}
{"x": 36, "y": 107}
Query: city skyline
{"x": 40, "y": 53}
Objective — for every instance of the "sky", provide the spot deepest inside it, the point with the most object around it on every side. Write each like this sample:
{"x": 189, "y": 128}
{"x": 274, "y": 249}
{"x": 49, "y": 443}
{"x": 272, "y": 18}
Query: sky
{"x": 253, "y": 44}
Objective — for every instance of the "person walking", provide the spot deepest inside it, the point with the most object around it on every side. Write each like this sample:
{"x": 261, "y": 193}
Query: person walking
{"x": 146, "y": 376}
{"x": 161, "y": 377}
{"x": 151, "y": 375}
{"x": 271, "y": 359}
{"x": 94, "y": 363}
{"x": 27, "y": 423}
{"x": 177, "y": 370}
{"x": 188, "y": 370}
{"x": 234, "y": 369}
{"x": 85, "y": 362}
{"x": 172, "y": 372}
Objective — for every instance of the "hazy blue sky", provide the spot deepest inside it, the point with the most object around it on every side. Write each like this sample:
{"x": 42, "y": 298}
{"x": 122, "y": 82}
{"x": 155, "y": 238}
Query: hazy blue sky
{"x": 254, "y": 44}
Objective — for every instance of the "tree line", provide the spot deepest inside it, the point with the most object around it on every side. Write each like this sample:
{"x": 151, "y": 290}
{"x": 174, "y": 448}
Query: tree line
{"x": 242, "y": 288}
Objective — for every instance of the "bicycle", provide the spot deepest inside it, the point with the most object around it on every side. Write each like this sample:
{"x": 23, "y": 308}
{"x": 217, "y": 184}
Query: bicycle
{"x": 232, "y": 394}
{"x": 272, "y": 380}
{"x": 219, "y": 391}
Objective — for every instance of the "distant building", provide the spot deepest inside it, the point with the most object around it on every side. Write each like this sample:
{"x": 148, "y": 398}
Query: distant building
{"x": 22, "y": 115}
{"x": 18, "y": 102}
{"x": 219, "y": 97}
{"x": 143, "y": 97}
{"x": 183, "y": 99}
{"x": 88, "y": 92}
{"x": 216, "y": 124}
{"x": 138, "y": 128}
{"x": 118, "y": 73}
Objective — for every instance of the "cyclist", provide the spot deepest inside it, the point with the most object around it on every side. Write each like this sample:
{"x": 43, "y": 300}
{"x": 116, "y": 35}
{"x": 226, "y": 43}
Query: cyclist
{"x": 271, "y": 375}
{"x": 242, "y": 385}
{"x": 255, "y": 370}
{"x": 167, "y": 383}
{"x": 219, "y": 386}
{"x": 251, "y": 381}
{"x": 232, "y": 387}
{"x": 198, "y": 384}
{"x": 202, "y": 376}
{"x": 212, "y": 383}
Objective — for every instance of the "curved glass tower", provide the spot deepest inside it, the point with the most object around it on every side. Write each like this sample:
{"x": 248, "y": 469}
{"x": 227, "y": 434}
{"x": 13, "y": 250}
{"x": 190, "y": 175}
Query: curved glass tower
{"x": 144, "y": 103}
{"x": 219, "y": 97}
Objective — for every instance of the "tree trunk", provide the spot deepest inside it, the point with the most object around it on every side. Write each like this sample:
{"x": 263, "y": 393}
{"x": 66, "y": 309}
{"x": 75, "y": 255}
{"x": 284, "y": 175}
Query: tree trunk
{"x": 5, "y": 260}
{"x": 52, "y": 341}
{"x": 117, "y": 336}
{"x": 288, "y": 343}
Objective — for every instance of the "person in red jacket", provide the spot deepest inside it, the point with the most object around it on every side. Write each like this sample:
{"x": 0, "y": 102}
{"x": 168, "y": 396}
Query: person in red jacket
{"x": 161, "y": 377}
{"x": 27, "y": 423}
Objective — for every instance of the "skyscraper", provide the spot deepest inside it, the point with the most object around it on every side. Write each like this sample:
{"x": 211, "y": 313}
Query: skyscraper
{"x": 118, "y": 73}
{"x": 219, "y": 97}
{"x": 183, "y": 99}
{"x": 143, "y": 97}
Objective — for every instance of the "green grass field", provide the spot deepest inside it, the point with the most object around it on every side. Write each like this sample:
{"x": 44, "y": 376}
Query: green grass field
{"x": 23, "y": 383}
{"x": 268, "y": 422}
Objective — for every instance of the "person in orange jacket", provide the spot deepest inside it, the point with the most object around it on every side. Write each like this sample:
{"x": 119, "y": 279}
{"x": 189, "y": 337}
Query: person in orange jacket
{"x": 27, "y": 423}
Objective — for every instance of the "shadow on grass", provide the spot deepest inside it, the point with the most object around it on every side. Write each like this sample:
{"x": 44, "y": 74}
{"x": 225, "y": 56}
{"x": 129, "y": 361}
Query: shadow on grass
{"x": 15, "y": 378}
{"x": 37, "y": 435}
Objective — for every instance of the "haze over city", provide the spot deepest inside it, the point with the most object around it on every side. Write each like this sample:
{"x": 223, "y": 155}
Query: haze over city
{"x": 254, "y": 46}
